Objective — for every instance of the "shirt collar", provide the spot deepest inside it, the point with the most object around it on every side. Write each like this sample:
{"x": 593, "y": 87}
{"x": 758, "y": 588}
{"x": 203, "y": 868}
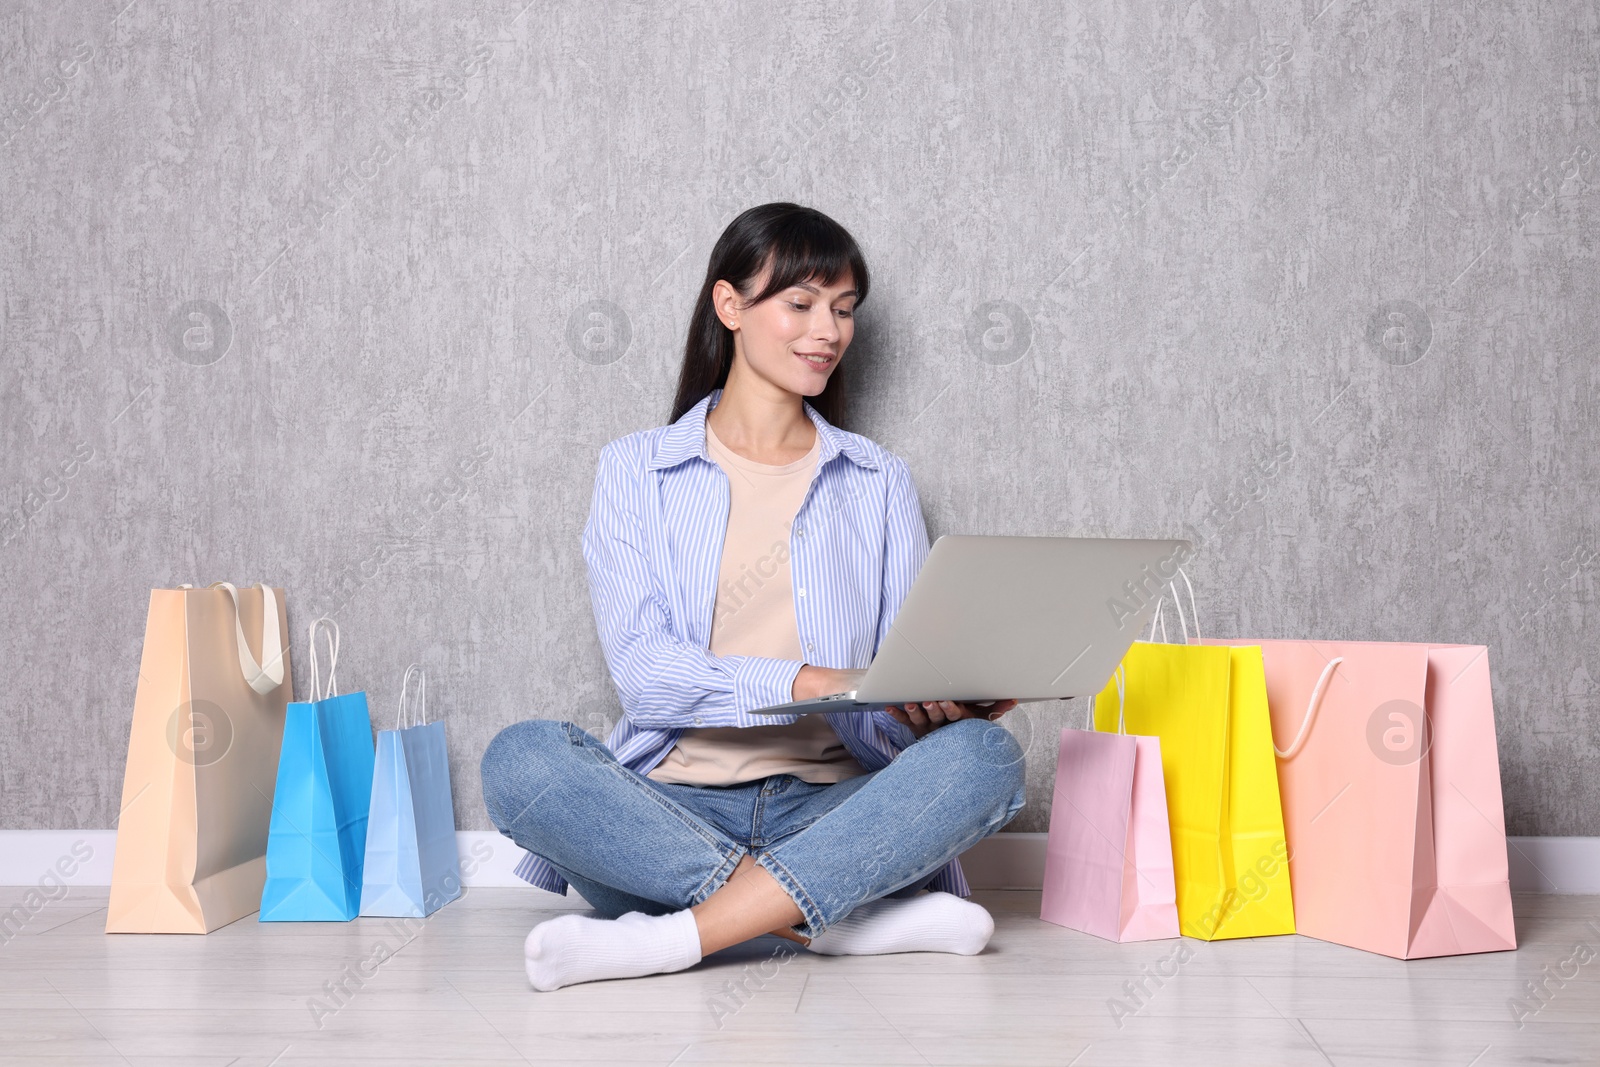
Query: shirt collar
{"x": 687, "y": 437}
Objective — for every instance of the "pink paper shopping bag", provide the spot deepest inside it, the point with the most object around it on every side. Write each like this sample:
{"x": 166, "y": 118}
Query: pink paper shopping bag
{"x": 1391, "y": 794}
{"x": 1108, "y": 857}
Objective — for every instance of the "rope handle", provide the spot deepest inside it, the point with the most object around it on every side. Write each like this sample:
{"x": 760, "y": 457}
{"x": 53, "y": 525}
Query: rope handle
{"x": 1183, "y": 623}
{"x": 1120, "y": 678}
{"x": 422, "y": 697}
{"x": 332, "y": 689}
{"x": 1311, "y": 712}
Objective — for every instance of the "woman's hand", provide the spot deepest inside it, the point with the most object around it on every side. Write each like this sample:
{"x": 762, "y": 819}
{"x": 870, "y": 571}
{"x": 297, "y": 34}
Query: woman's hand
{"x": 929, "y": 715}
{"x": 812, "y": 682}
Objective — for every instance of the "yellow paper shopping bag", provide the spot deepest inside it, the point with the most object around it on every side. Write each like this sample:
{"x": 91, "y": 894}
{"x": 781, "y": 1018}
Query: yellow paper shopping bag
{"x": 1208, "y": 704}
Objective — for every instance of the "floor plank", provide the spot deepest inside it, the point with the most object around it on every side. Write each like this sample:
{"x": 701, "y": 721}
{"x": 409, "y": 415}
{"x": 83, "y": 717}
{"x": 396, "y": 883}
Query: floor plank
{"x": 451, "y": 989}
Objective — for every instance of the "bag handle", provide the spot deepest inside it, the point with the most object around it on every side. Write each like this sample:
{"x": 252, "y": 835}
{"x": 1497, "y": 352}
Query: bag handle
{"x": 267, "y": 675}
{"x": 1119, "y": 677}
{"x": 422, "y": 697}
{"x": 1311, "y": 712}
{"x": 1151, "y": 636}
{"x": 332, "y": 689}
{"x": 1183, "y": 623}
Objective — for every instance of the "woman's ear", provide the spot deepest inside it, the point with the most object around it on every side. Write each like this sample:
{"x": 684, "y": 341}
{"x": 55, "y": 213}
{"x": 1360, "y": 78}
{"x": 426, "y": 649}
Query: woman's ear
{"x": 724, "y": 298}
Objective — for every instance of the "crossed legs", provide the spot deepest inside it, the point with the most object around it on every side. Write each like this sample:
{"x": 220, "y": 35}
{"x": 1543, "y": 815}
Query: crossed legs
{"x": 824, "y": 881}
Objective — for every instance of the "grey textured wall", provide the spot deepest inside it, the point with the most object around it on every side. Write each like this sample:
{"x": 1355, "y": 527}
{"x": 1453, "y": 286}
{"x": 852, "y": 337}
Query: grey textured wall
{"x": 348, "y": 297}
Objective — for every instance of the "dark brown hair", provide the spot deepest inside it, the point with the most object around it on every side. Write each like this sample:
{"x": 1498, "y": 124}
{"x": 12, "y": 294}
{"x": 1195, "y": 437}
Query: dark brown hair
{"x": 802, "y": 244}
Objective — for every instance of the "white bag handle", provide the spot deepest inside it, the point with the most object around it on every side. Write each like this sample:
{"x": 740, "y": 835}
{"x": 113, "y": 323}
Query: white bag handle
{"x": 1194, "y": 610}
{"x": 1151, "y": 636}
{"x": 1119, "y": 677}
{"x": 267, "y": 675}
{"x": 332, "y": 688}
{"x": 1311, "y": 712}
{"x": 422, "y": 697}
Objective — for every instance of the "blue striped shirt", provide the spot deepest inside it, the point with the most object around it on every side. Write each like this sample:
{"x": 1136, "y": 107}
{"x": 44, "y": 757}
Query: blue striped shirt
{"x": 653, "y": 545}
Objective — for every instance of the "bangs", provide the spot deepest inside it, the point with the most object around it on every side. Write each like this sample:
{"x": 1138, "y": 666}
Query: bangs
{"x": 812, "y": 248}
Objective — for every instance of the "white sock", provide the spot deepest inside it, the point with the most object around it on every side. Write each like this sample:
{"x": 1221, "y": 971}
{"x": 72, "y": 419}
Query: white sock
{"x": 577, "y": 948}
{"x": 932, "y": 922}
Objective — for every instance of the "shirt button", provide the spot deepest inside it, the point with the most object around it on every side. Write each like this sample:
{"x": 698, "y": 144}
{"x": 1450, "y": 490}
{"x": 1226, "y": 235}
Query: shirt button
{"x": 808, "y": 646}
{"x": 802, "y": 592}
{"x": 697, "y": 720}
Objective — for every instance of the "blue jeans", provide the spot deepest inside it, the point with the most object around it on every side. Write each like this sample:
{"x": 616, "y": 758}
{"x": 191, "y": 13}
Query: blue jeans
{"x": 629, "y": 843}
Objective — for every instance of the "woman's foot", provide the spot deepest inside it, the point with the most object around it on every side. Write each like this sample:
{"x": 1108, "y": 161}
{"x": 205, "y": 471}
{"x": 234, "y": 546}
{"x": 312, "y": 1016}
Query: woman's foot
{"x": 576, "y": 948}
{"x": 932, "y": 922}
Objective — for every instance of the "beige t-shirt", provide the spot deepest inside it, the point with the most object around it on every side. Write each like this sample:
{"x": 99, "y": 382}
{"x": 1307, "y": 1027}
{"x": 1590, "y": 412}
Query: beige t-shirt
{"x": 754, "y": 616}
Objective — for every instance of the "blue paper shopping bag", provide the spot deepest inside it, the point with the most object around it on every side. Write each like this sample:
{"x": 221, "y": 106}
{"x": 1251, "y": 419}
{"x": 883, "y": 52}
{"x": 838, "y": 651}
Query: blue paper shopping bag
{"x": 412, "y": 866}
{"x": 318, "y": 835}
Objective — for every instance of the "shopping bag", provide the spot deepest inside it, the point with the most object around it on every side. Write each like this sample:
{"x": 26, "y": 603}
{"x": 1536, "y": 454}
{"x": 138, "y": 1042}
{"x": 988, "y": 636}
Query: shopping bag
{"x": 319, "y": 811}
{"x": 1108, "y": 856}
{"x": 412, "y": 866}
{"x": 1208, "y": 705}
{"x": 1391, "y": 794}
{"x": 202, "y": 757}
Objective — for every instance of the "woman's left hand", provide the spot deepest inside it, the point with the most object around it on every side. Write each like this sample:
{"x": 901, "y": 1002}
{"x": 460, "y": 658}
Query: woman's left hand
{"x": 927, "y": 716}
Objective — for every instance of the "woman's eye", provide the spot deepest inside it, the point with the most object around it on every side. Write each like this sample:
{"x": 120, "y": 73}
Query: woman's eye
{"x": 846, "y": 312}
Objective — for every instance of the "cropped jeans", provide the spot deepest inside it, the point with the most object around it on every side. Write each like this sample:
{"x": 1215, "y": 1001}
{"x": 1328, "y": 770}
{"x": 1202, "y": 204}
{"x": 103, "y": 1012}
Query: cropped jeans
{"x": 629, "y": 843}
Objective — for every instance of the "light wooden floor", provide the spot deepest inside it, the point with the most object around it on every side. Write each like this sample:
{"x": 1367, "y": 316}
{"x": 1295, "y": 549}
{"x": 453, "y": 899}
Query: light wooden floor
{"x": 454, "y": 992}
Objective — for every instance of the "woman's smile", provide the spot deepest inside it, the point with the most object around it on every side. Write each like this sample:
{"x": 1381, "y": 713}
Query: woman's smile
{"x": 821, "y": 361}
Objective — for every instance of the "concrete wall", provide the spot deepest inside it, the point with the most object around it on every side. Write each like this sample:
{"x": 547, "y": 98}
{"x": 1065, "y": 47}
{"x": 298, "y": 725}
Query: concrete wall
{"x": 348, "y": 298}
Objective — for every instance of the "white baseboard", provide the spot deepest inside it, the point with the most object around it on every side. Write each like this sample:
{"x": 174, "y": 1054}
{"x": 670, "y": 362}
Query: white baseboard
{"x": 1566, "y": 865}
{"x": 1005, "y": 861}
{"x": 83, "y": 857}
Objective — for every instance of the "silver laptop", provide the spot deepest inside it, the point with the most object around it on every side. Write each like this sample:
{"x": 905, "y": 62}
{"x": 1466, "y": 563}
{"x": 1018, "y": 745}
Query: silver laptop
{"x": 999, "y": 618}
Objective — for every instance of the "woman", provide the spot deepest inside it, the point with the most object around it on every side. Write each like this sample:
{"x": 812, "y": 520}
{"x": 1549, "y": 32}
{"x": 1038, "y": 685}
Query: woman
{"x": 697, "y": 825}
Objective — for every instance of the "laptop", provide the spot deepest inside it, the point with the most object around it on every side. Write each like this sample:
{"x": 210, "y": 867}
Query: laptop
{"x": 1001, "y": 617}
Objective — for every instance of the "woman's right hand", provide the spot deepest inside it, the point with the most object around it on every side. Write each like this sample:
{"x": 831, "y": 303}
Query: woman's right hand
{"x": 813, "y": 681}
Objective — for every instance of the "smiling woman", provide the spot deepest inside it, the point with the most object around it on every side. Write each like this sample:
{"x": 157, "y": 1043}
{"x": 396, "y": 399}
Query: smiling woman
{"x": 800, "y": 277}
{"x": 697, "y": 825}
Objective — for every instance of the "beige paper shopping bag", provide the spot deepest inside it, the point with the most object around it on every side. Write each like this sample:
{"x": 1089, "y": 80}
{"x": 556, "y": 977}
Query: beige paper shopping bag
{"x": 202, "y": 760}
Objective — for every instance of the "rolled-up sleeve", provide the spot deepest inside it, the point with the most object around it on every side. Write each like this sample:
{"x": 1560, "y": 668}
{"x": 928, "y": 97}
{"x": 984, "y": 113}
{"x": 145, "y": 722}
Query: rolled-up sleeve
{"x": 663, "y": 682}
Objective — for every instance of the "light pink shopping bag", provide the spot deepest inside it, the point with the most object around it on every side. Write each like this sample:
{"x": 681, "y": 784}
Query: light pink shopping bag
{"x": 1108, "y": 857}
{"x": 1390, "y": 779}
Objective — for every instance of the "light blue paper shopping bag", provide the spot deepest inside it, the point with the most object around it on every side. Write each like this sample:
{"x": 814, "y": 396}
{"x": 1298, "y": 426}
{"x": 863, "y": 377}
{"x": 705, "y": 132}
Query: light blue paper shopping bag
{"x": 412, "y": 866}
{"x": 317, "y": 839}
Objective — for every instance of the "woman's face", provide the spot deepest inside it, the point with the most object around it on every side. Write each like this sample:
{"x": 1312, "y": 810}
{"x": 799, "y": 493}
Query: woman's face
{"x": 796, "y": 337}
